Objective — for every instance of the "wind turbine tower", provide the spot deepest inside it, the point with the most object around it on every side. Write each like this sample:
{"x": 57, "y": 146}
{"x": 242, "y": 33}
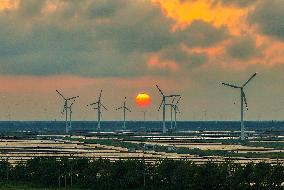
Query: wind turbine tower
{"x": 144, "y": 115}
{"x": 124, "y": 111}
{"x": 70, "y": 115}
{"x": 243, "y": 100}
{"x": 164, "y": 104}
{"x": 67, "y": 107}
{"x": 172, "y": 106}
{"x": 98, "y": 105}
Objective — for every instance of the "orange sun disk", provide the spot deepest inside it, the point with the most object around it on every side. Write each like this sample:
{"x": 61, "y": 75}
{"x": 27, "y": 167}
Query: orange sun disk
{"x": 143, "y": 100}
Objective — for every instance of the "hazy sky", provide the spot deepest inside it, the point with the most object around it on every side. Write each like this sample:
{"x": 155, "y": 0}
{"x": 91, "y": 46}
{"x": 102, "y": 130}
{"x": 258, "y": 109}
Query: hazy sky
{"x": 127, "y": 46}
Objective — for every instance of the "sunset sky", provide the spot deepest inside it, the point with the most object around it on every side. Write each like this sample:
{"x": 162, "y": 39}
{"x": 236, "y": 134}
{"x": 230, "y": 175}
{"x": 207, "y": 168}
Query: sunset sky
{"x": 125, "y": 47}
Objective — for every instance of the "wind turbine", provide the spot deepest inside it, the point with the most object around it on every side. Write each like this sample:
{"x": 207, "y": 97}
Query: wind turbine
{"x": 243, "y": 100}
{"x": 205, "y": 115}
{"x": 144, "y": 115}
{"x": 176, "y": 110}
{"x": 98, "y": 108}
{"x": 163, "y": 103}
{"x": 124, "y": 111}
{"x": 66, "y": 107}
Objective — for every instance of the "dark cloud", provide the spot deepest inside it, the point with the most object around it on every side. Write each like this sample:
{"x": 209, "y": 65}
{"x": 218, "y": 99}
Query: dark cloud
{"x": 183, "y": 58}
{"x": 140, "y": 27}
{"x": 69, "y": 10}
{"x": 240, "y": 3}
{"x": 197, "y": 59}
{"x": 269, "y": 17}
{"x": 104, "y": 8}
{"x": 243, "y": 48}
{"x": 96, "y": 38}
{"x": 60, "y": 43}
{"x": 202, "y": 34}
{"x": 175, "y": 54}
{"x": 30, "y": 8}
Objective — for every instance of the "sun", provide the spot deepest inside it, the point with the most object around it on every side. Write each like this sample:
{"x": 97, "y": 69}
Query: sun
{"x": 143, "y": 100}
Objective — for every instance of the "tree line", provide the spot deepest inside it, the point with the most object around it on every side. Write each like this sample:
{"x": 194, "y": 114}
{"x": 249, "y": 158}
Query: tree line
{"x": 136, "y": 174}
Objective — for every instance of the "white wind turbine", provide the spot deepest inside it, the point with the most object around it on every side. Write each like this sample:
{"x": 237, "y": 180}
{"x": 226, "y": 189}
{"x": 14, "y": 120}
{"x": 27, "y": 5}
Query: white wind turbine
{"x": 243, "y": 100}
{"x": 124, "y": 111}
{"x": 164, "y": 104}
{"x": 174, "y": 110}
{"x": 98, "y": 108}
{"x": 66, "y": 107}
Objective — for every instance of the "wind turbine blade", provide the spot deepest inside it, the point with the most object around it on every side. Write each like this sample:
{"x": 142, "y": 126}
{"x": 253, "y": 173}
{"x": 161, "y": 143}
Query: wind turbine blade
{"x": 73, "y": 101}
{"x": 104, "y": 107}
{"x": 160, "y": 90}
{"x": 160, "y": 105}
{"x": 100, "y": 95}
{"x": 176, "y": 107}
{"x": 92, "y": 104}
{"x": 128, "y": 109}
{"x": 178, "y": 100}
{"x": 250, "y": 79}
{"x": 119, "y": 108}
{"x": 173, "y": 95}
{"x": 73, "y": 97}
{"x": 63, "y": 110}
{"x": 173, "y": 99}
{"x": 245, "y": 99}
{"x": 230, "y": 85}
{"x": 60, "y": 94}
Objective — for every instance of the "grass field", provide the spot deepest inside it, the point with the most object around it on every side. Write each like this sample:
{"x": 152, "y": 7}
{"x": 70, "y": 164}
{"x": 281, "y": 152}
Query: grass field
{"x": 21, "y": 186}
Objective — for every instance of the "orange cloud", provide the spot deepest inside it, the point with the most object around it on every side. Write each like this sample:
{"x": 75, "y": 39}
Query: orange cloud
{"x": 274, "y": 54}
{"x": 215, "y": 51}
{"x": 154, "y": 63}
{"x": 217, "y": 14}
{"x": 8, "y": 4}
{"x": 50, "y": 7}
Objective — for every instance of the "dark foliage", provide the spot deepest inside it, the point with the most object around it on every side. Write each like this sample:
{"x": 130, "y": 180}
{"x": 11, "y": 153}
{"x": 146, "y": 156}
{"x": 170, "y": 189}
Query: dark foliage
{"x": 136, "y": 174}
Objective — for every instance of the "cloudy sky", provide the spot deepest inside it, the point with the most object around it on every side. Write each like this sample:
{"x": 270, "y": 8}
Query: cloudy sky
{"x": 127, "y": 46}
